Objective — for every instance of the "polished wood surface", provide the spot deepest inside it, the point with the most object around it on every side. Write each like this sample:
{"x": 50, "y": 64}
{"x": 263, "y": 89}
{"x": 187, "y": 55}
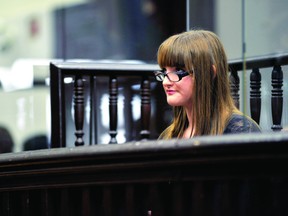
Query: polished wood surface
{"x": 221, "y": 175}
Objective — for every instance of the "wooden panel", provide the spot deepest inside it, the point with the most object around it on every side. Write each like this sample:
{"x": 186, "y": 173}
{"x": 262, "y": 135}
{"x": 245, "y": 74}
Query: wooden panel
{"x": 222, "y": 175}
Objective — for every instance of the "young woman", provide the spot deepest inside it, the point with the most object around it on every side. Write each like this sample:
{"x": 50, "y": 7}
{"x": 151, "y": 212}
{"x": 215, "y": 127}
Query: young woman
{"x": 195, "y": 78}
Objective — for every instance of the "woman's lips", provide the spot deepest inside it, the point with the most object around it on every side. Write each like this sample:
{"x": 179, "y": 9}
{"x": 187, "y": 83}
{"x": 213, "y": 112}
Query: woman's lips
{"x": 170, "y": 92}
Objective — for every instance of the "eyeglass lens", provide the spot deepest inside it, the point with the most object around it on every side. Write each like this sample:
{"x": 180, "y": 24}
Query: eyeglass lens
{"x": 172, "y": 76}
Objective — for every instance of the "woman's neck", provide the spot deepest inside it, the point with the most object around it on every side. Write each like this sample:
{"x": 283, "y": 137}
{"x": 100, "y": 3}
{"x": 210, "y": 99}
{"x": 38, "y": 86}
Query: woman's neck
{"x": 190, "y": 130}
{"x": 188, "y": 133}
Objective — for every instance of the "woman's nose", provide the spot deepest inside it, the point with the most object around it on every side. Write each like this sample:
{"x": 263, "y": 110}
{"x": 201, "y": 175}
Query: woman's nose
{"x": 166, "y": 81}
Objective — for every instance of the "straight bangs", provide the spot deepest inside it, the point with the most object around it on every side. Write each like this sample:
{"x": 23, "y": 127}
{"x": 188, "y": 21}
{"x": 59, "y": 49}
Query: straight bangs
{"x": 170, "y": 53}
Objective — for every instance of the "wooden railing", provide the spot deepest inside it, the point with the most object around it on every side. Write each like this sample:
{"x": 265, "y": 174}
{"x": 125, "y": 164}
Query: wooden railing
{"x": 89, "y": 84}
{"x": 223, "y": 175}
{"x": 255, "y": 65}
{"x": 92, "y": 75}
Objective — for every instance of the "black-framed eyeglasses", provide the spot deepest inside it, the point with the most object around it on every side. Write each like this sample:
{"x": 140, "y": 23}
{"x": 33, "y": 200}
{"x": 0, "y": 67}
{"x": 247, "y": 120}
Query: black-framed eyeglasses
{"x": 174, "y": 76}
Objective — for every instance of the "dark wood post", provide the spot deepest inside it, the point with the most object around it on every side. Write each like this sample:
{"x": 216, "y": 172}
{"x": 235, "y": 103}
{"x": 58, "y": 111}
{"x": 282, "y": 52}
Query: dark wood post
{"x": 234, "y": 86}
{"x": 79, "y": 109}
{"x": 86, "y": 207}
{"x": 277, "y": 97}
{"x": 6, "y": 202}
{"x": 145, "y": 108}
{"x": 113, "y": 112}
{"x": 47, "y": 207}
{"x": 255, "y": 94}
{"x": 25, "y": 201}
{"x": 58, "y": 108}
{"x": 130, "y": 200}
{"x": 93, "y": 136}
{"x": 107, "y": 201}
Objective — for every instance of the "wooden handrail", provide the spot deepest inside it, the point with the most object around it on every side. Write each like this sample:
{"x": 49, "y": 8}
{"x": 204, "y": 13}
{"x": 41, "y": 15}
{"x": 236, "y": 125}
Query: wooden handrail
{"x": 262, "y": 61}
{"x": 215, "y": 175}
{"x": 168, "y": 158}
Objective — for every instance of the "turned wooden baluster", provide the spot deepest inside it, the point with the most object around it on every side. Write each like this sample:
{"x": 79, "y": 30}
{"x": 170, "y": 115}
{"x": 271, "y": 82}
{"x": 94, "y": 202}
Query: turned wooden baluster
{"x": 234, "y": 86}
{"x": 145, "y": 108}
{"x": 93, "y": 112}
{"x": 255, "y": 94}
{"x": 113, "y": 113}
{"x": 79, "y": 110}
{"x": 277, "y": 97}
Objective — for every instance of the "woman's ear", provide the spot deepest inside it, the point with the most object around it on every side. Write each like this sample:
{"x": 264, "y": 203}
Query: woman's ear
{"x": 214, "y": 71}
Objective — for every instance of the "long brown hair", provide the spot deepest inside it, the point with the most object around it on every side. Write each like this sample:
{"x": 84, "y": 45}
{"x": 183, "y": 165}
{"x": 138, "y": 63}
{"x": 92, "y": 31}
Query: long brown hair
{"x": 202, "y": 54}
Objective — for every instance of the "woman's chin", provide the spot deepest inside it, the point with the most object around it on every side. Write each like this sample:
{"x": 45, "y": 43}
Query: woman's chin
{"x": 173, "y": 103}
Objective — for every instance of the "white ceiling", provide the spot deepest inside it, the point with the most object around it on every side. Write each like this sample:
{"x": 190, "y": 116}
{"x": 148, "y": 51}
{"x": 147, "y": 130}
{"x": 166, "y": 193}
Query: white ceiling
{"x": 15, "y": 8}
